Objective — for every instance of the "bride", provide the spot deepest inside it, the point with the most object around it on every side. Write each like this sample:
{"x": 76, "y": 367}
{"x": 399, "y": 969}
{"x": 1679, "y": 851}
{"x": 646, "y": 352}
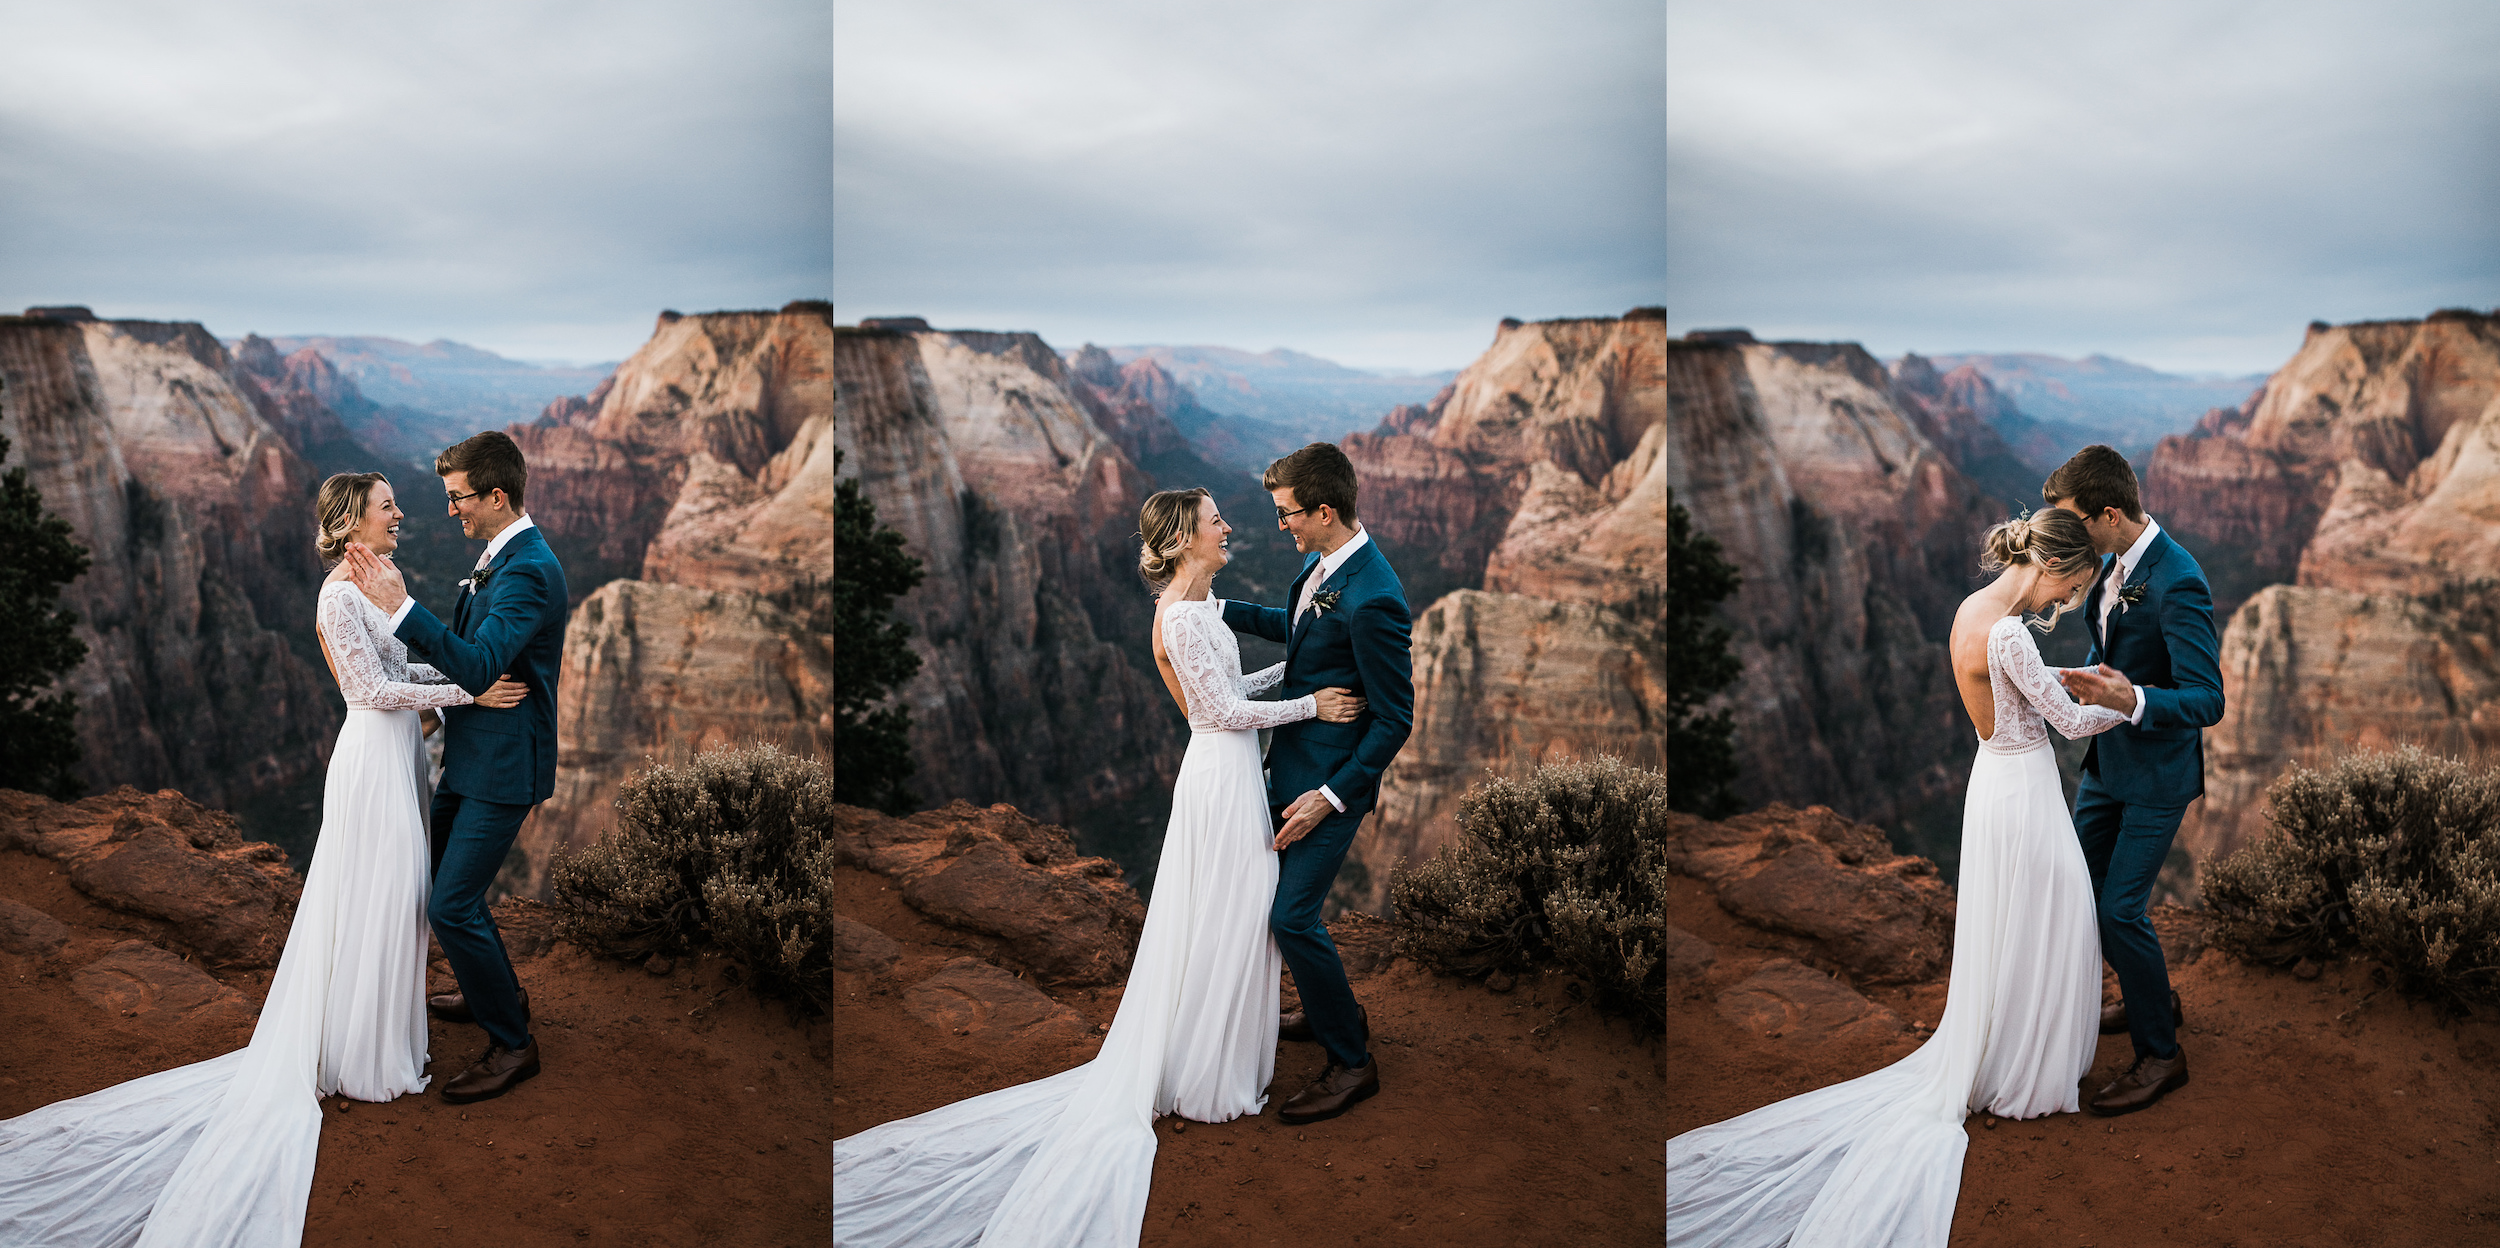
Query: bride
{"x": 1878, "y": 1160}
{"x": 221, "y": 1152}
{"x": 1065, "y": 1160}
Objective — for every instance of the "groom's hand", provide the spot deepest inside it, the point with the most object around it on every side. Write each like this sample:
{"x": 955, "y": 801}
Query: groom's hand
{"x": 379, "y": 580}
{"x": 2116, "y": 691}
{"x": 1304, "y": 815}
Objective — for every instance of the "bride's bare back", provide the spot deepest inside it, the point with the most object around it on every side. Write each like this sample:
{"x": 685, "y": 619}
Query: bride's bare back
{"x": 1969, "y": 647}
{"x": 1163, "y": 663}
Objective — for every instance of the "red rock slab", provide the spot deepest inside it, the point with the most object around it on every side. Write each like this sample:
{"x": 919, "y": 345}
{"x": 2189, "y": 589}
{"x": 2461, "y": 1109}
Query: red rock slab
{"x": 139, "y": 981}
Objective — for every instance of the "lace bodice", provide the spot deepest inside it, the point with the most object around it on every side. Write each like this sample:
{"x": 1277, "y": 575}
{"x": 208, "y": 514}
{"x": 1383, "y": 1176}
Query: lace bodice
{"x": 373, "y": 666}
{"x": 1207, "y": 659}
{"x": 2028, "y": 696}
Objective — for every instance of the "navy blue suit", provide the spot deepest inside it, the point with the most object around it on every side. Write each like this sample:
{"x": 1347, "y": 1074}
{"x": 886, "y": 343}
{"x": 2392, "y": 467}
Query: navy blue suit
{"x": 1360, "y": 644}
{"x": 2139, "y": 778}
{"x": 497, "y": 764}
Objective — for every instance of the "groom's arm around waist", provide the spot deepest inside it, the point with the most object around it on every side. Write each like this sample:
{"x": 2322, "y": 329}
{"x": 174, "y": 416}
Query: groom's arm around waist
{"x": 523, "y": 599}
{"x": 2194, "y": 697}
{"x": 1380, "y": 629}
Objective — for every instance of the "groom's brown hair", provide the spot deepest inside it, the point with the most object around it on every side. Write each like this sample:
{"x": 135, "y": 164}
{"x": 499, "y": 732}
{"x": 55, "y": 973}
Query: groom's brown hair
{"x": 492, "y": 460}
{"x": 1320, "y": 476}
{"x": 2096, "y": 478}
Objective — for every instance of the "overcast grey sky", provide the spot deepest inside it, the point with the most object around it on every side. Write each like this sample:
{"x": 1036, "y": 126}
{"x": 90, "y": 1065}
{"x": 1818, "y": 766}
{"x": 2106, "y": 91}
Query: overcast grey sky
{"x": 1377, "y": 183}
{"x": 2182, "y": 184}
{"x": 538, "y": 179}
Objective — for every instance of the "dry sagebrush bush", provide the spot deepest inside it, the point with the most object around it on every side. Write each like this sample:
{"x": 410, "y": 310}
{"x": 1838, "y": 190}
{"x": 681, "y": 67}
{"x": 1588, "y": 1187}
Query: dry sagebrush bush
{"x": 1567, "y": 868}
{"x": 733, "y": 850}
{"x": 2391, "y": 856}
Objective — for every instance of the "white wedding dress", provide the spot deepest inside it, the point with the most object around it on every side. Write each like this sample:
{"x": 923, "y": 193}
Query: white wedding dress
{"x": 1066, "y": 1160}
{"x": 220, "y": 1152}
{"x": 1876, "y": 1162}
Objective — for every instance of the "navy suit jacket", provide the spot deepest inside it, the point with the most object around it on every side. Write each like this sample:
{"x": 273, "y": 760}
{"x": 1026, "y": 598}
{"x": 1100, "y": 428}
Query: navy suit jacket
{"x": 516, "y": 625}
{"x": 2165, "y": 645}
{"x": 1362, "y": 645}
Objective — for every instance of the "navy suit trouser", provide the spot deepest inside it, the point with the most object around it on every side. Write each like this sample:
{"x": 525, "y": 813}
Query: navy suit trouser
{"x": 2124, "y": 847}
{"x": 1305, "y": 872}
{"x": 470, "y": 838}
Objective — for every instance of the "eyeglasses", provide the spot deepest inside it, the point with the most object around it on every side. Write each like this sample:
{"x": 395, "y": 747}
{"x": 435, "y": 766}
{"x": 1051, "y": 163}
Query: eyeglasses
{"x": 1283, "y": 515}
{"x": 453, "y": 500}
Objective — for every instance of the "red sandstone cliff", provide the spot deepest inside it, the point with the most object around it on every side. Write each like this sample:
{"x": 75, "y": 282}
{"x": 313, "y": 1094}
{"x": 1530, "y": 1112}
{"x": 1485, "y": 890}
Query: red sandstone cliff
{"x": 2368, "y": 472}
{"x": 691, "y": 499}
{"x": 1526, "y": 512}
{"x": 153, "y": 443}
{"x": 1857, "y": 537}
{"x": 985, "y": 453}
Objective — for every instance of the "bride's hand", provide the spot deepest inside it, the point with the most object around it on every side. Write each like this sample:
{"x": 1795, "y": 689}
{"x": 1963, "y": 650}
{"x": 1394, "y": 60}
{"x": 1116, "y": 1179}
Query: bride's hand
{"x": 505, "y": 692}
{"x": 1339, "y": 706}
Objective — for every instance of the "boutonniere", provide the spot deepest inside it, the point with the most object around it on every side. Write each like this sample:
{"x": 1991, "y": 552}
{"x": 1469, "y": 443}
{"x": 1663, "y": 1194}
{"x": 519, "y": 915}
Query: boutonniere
{"x": 476, "y": 581}
{"x": 2130, "y": 594}
{"x": 1325, "y": 601}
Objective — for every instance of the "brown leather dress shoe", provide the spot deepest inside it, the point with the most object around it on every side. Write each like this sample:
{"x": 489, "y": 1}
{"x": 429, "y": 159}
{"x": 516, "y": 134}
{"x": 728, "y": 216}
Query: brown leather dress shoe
{"x": 453, "y": 1007}
{"x": 1297, "y": 1026}
{"x": 2114, "y": 1017}
{"x": 2148, "y": 1081}
{"x": 1334, "y": 1092}
{"x": 500, "y": 1071}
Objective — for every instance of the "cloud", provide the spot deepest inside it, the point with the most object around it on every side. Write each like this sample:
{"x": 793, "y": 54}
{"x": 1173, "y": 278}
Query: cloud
{"x": 1376, "y": 183}
{"x": 540, "y": 179}
{"x": 2186, "y": 184}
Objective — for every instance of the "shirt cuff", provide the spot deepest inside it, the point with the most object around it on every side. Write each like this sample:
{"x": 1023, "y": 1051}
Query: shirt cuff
{"x": 405, "y": 606}
{"x": 1332, "y": 799}
{"x": 2136, "y": 716}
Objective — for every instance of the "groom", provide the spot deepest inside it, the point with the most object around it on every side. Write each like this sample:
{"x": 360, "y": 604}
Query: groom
{"x": 2151, "y": 614}
{"x": 497, "y": 764}
{"x": 1348, "y": 628}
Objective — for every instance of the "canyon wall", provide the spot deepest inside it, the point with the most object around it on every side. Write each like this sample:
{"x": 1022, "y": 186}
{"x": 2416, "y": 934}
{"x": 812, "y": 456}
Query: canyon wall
{"x": 691, "y": 500}
{"x": 1525, "y": 510}
{"x": 161, "y": 452}
{"x": 1036, "y": 685}
{"x": 2366, "y": 472}
{"x": 1857, "y": 538}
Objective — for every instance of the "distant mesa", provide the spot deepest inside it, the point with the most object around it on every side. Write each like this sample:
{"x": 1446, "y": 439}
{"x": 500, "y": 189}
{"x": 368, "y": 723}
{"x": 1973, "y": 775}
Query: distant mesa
{"x": 1646, "y": 314}
{"x": 895, "y": 324}
{"x": 1735, "y": 337}
{"x": 67, "y": 312}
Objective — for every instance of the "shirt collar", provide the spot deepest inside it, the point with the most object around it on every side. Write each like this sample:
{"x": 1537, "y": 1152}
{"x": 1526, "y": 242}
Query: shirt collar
{"x": 496, "y": 546}
{"x": 2128, "y": 562}
{"x": 1328, "y": 565}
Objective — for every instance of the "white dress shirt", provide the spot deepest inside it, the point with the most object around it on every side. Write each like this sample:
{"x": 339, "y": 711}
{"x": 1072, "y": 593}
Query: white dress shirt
{"x": 1328, "y": 566}
{"x": 2109, "y": 596}
{"x": 493, "y": 549}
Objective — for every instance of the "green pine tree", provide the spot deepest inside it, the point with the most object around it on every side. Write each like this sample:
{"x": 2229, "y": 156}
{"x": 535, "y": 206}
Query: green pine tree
{"x": 1701, "y": 748}
{"x": 871, "y": 655}
{"x": 38, "y": 642}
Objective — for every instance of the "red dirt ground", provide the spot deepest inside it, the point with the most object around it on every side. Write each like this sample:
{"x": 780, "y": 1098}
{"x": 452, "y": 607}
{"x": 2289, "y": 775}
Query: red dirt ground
{"x": 2321, "y": 1112}
{"x": 1495, "y": 1125}
{"x": 675, "y": 1110}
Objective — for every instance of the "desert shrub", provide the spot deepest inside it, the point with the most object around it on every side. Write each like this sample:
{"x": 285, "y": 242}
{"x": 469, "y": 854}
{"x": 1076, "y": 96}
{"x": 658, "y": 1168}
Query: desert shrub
{"x": 733, "y": 850}
{"x": 1566, "y": 868}
{"x": 2389, "y": 856}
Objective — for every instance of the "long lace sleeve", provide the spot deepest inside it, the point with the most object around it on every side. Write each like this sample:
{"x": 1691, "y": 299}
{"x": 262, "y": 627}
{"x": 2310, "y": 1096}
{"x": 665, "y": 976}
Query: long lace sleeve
{"x": 1212, "y": 681}
{"x": 427, "y": 674}
{"x": 1262, "y": 680}
{"x": 363, "y": 675}
{"x": 2013, "y": 652}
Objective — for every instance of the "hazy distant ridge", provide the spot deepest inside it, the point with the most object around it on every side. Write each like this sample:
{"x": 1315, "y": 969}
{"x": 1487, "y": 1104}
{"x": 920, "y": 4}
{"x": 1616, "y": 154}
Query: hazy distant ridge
{"x": 2101, "y": 398}
{"x": 1304, "y": 396}
{"x": 469, "y": 388}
